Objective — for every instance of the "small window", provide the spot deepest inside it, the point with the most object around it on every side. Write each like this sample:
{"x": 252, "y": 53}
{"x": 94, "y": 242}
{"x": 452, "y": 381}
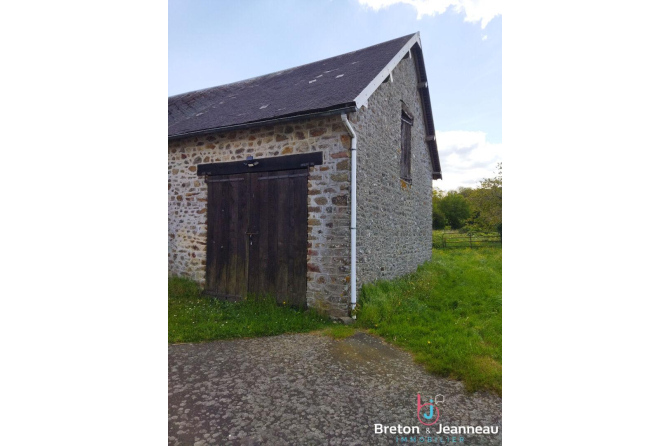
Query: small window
{"x": 406, "y": 146}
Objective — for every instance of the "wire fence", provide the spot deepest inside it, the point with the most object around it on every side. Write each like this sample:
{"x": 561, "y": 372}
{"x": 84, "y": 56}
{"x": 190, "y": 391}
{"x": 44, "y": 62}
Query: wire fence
{"x": 445, "y": 240}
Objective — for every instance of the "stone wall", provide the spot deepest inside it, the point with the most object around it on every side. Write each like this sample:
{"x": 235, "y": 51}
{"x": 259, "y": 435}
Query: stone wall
{"x": 328, "y": 259}
{"x": 394, "y": 227}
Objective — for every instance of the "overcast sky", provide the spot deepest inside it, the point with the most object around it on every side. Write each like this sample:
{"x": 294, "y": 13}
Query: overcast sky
{"x": 217, "y": 42}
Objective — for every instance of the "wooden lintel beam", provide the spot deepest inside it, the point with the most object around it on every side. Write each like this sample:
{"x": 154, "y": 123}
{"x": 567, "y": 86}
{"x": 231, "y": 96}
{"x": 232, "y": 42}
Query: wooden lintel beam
{"x": 270, "y": 164}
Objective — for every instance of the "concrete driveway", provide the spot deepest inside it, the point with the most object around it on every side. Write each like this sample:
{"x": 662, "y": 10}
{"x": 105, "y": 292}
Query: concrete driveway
{"x": 308, "y": 389}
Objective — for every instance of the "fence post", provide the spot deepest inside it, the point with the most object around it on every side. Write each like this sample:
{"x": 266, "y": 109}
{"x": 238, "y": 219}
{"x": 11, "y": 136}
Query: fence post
{"x": 470, "y": 234}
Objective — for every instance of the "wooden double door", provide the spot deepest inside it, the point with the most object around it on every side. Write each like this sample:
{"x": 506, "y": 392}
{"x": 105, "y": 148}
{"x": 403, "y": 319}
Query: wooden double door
{"x": 257, "y": 235}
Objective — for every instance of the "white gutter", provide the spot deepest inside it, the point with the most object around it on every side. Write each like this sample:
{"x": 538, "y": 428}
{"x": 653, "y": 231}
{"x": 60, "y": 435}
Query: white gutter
{"x": 350, "y": 129}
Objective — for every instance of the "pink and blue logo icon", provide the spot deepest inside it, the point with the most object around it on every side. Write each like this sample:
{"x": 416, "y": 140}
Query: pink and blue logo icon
{"x": 427, "y": 413}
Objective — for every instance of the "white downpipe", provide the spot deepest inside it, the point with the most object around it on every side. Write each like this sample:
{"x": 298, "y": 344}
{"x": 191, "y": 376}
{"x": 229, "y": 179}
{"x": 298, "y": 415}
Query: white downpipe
{"x": 350, "y": 129}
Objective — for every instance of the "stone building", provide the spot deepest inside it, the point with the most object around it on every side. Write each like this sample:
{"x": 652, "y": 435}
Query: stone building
{"x": 272, "y": 180}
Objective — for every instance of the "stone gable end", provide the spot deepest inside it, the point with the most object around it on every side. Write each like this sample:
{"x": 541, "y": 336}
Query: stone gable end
{"x": 394, "y": 227}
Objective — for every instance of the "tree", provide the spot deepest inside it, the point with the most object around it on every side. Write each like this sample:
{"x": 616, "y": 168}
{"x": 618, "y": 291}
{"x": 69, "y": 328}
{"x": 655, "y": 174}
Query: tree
{"x": 486, "y": 203}
{"x": 465, "y": 191}
{"x": 438, "y": 216}
{"x": 454, "y": 208}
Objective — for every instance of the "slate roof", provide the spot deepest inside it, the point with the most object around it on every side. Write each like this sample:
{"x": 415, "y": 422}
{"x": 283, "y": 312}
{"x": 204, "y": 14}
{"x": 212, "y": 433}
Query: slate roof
{"x": 326, "y": 84}
{"x": 329, "y": 85}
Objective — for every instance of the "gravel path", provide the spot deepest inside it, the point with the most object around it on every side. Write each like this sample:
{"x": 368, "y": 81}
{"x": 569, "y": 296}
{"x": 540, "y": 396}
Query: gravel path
{"x": 309, "y": 389}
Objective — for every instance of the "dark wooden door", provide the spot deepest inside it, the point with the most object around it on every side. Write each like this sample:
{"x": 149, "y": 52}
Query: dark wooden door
{"x": 227, "y": 222}
{"x": 263, "y": 219}
{"x": 278, "y": 248}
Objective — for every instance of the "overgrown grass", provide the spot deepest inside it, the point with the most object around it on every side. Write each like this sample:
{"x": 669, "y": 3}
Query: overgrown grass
{"x": 448, "y": 314}
{"x": 193, "y": 318}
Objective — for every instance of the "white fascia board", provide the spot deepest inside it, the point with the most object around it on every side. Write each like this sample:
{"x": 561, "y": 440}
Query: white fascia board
{"x": 362, "y": 98}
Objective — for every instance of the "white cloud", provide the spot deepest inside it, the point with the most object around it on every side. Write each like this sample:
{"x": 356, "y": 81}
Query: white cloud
{"x": 475, "y": 10}
{"x": 466, "y": 158}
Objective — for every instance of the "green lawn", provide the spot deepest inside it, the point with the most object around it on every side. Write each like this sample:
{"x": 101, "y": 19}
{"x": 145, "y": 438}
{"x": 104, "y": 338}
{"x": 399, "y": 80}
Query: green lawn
{"x": 193, "y": 318}
{"x": 448, "y": 314}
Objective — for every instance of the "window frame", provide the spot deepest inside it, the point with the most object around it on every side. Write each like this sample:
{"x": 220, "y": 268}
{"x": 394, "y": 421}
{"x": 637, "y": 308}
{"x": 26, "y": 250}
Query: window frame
{"x": 406, "y": 124}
